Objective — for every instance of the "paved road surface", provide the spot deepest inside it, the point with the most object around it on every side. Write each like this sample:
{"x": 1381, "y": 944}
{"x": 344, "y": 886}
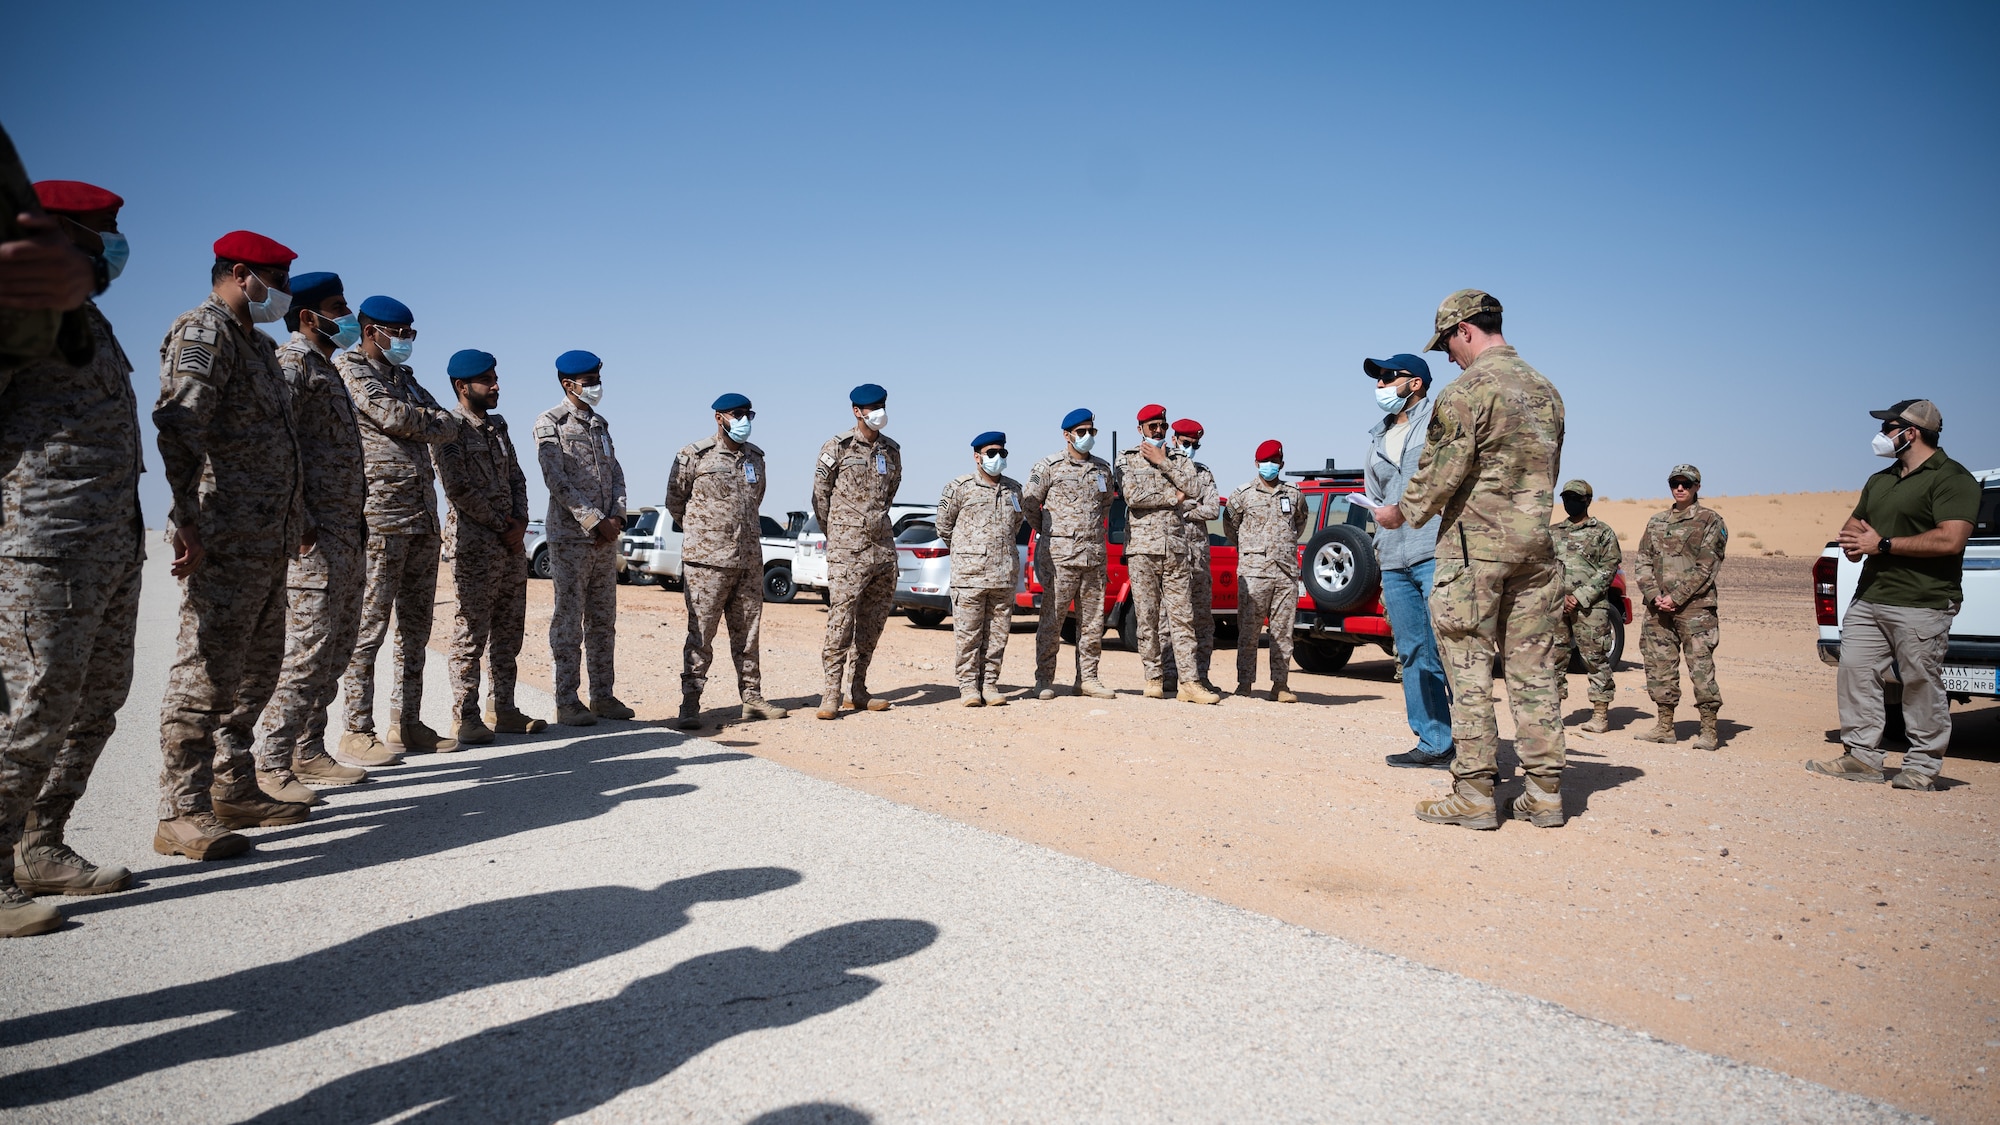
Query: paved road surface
{"x": 627, "y": 924}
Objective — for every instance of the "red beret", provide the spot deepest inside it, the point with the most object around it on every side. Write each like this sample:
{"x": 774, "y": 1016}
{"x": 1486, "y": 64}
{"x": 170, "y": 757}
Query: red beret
{"x": 253, "y": 249}
{"x": 1270, "y": 451}
{"x": 1151, "y": 411}
{"x": 74, "y": 197}
{"x": 1188, "y": 427}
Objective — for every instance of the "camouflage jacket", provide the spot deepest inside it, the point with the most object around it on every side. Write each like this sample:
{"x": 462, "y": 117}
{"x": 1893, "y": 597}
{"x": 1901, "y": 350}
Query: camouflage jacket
{"x": 336, "y": 485}
{"x": 1067, "y": 501}
{"x": 1265, "y": 523}
{"x": 854, "y": 483}
{"x": 1152, "y": 511}
{"x": 399, "y": 423}
{"x": 69, "y": 444}
{"x": 1589, "y": 555}
{"x": 1203, "y": 504}
{"x": 1491, "y": 455}
{"x": 979, "y": 521}
{"x": 226, "y": 436}
{"x": 1679, "y": 555}
{"x": 715, "y": 494}
{"x": 580, "y": 466}
{"x": 483, "y": 482}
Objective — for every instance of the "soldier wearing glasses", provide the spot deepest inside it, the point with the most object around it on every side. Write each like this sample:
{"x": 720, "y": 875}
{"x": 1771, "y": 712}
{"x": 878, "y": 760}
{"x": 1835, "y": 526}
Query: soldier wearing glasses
{"x": 1679, "y": 553}
{"x": 1067, "y": 500}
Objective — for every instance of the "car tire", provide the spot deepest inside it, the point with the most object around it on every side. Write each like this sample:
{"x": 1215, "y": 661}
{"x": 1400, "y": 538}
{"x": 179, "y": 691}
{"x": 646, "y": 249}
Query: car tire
{"x": 778, "y": 586}
{"x": 924, "y": 618}
{"x": 1339, "y": 570}
{"x": 1125, "y": 622}
{"x": 1321, "y": 658}
{"x": 538, "y": 567}
{"x": 1576, "y": 667}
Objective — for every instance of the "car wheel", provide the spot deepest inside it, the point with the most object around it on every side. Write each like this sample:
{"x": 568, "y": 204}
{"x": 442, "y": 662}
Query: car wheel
{"x": 1617, "y": 640}
{"x": 926, "y": 618}
{"x": 1340, "y": 570}
{"x": 1068, "y": 629}
{"x": 1322, "y": 658}
{"x": 1125, "y": 622}
{"x": 539, "y": 567}
{"x": 778, "y": 585}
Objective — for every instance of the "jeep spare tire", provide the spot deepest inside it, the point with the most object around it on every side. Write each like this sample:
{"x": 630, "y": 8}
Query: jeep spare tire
{"x": 1339, "y": 568}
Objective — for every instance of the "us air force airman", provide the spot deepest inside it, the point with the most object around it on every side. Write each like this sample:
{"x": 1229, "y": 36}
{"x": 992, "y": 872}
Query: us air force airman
{"x": 586, "y": 512}
{"x": 1201, "y": 506}
{"x": 1488, "y": 473}
{"x": 854, "y": 482}
{"x": 1679, "y": 553}
{"x": 1067, "y": 501}
{"x": 978, "y": 517}
{"x": 1264, "y": 519}
{"x": 1587, "y": 550}
{"x": 714, "y": 492}
{"x": 1154, "y": 481}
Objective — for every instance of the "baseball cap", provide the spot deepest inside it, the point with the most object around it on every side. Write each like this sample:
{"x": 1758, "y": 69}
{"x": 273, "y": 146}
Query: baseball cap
{"x": 1457, "y": 307}
{"x": 1578, "y": 487}
{"x": 1402, "y": 363}
{"x": 1918, "y": 412}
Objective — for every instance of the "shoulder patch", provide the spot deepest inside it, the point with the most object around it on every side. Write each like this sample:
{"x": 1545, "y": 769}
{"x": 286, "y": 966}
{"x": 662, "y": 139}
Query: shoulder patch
{"x": 826, "y": 458}
{"x": 195, "y": 358}
{"x": 545, "y": 430}
{"x": 197, "y": 334}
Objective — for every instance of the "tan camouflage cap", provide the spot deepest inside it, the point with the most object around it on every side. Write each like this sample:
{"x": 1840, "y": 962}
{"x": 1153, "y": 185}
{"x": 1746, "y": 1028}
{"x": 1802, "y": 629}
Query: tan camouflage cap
{"x": 1577, "y": 487}
{"x": 1919, "y": 412}
{"x": 1692, "y": 474}
{"x": 1458, "y": 306}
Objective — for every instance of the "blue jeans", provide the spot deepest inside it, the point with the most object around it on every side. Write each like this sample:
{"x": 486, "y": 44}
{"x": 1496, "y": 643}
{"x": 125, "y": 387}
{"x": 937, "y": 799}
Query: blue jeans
{"x": 1406, "y": 595}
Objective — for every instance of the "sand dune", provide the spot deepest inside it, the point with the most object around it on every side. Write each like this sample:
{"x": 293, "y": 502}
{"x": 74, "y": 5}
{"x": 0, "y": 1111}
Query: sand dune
{"x": 1784, "y": 524}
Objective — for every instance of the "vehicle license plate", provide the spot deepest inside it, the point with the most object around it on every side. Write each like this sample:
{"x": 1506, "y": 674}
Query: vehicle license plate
{"x": 1971, "y": 678}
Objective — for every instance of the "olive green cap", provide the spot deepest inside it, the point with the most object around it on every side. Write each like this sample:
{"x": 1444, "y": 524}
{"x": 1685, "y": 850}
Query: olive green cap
{"x": 1457, "y": 307}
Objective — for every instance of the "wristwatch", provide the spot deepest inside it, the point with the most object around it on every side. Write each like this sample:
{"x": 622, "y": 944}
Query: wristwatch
{"x": 1884, "y": 548}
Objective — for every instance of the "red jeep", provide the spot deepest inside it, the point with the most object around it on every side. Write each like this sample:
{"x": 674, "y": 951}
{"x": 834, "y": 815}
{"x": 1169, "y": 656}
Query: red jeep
{"x": 1120, "y": 624}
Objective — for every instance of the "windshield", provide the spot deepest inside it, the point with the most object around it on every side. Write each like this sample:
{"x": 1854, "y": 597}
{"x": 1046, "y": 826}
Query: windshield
{"x": 917, "y": 533}
{"x": 645, "y": 524}
{"x": 1342, "y": 507}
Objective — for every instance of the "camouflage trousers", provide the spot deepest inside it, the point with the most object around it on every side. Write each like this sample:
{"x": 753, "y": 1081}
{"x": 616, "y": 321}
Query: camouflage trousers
{"x": 981, "y": 621}
{"x": 322, "y": 618}
{"x": 491, "y": 582}
{"x": 1668, "y": 638}
{"x": 402, "y": 576}
{"x": 1201, "y": 596}
{"x": 1062, "y": 586}
{"x": 66, "y": 628}
{"x": 1512, "y": 610}
{"x": 230, "y": 652}
{"x": 1260, "y": 599}
{"x": 1161, "y": 597}
{"x": 1589, "y": 635}
{"x": 859, "y": 598}
{"x": 715, "y": 594}
{"x": 583, "y": 630}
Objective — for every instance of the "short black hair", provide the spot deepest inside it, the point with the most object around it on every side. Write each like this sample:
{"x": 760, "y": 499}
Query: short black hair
{"x": 1487, "y": 322}
{"x": 223, "y": 268}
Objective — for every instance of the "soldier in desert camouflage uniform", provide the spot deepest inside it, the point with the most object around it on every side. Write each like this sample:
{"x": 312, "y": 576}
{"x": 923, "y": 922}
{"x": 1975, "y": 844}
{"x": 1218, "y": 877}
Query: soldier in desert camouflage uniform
{"x": 232, "y": 461}
{"x": 1488, "y": 473}
{"x": 1067, "y": 500}
{"x": 854, "y": 482}
{"x": 70, "y": 553}
{"x": 482, "y": 540}
{"x": 714, "y": 492}
{"x": 1678, "y": 556}
{"x": 1154, "y": 482}
{"x": 1202, "y": 505}
{"x": 586, "y": 512}
{"x": 1587, "y": 549}
{"x": 1264, "y": 519}
{"x": 978, "y": 516}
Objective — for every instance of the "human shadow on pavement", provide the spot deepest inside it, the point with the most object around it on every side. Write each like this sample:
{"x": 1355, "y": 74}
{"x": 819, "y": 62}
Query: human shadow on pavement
{"x": 812, "y": 1113}
{"x": 409, "y": 963}
{"x": 563, "y": 1063}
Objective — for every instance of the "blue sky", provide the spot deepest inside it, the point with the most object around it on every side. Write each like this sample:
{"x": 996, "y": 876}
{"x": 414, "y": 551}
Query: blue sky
{"x": 1724, "y": 231}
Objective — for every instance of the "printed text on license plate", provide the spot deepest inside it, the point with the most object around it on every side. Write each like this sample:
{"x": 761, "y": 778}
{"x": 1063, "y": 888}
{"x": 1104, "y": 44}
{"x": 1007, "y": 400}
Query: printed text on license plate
{"x": 1965, "y": 677}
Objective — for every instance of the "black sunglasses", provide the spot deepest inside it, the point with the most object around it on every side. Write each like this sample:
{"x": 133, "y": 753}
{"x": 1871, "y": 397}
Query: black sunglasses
{"x": 1002, "y": 451}
{"x": 741, "y": 412}
{"x": 1085, "y": 431}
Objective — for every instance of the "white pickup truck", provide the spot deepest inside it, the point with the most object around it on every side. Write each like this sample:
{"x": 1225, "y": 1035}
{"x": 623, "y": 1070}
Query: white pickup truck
{"x": 1972, "y": 663}
{"x": 652, "y": 552}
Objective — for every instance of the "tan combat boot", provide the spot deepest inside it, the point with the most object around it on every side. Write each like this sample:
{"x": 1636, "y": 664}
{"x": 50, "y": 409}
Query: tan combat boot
{"x": 757, "y": 707}
{"x": 575, "y": 716}
{"x": 1540, "y": 803}
{"x": 284, "y": 785}
{"x": 829, "y": 703}
{"x": 250, "y": 808}
{"x": 1283, "y": 695}
{"x": 1192, "y": 692}
{"x": 970, "y": 697}
{"x": 472, "y": 732}
{"x": 994, "y": 696}
{"x": 860, "y": 700}
{"x": 610, "y": 708}
{"x": 198, "y": 836}
{"x": 1663, "y": 728}
{"x": 22, "y": 916}
{"x": 690, "y": 713}
{"x": 1095, "y": 690}
{"x": 45, "y": 865}
{"x": 1847, "y": 767}
{"x": 421, "y": 739}
{"x": 322, "y": 771}
{"x": 363, "y": 748}
{"x": 1470, "y": 804}
{"x": 509, "y": 720}
{"x": 1709, "y": 738}
{"x": 1044, "y": 690}
{"x": 1600, "y": 718}
{"x": 1155, "y": 689}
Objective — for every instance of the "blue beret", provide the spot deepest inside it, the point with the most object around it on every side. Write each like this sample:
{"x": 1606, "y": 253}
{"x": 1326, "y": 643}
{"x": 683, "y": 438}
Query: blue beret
{"x": 731, "y": 401}
{"x": 867, "y": 394}
{"x": 990, "y": 437}
{"x": 577, "y": 362}
{"x": 388, "y": 310}
{"x": 469, "y": 363}
{"x": 1076, "y": 418}
{"x": 309, "y": 289}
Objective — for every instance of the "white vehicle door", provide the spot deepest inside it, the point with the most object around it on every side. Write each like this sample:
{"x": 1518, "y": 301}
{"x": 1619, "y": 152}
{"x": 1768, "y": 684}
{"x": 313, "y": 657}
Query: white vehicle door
{"x": 667, "y": 549}
{"x": 1980, "y": 615}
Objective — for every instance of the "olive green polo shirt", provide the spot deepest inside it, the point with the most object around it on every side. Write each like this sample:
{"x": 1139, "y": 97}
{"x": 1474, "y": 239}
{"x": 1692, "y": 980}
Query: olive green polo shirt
{"x": 1895, "y": 506}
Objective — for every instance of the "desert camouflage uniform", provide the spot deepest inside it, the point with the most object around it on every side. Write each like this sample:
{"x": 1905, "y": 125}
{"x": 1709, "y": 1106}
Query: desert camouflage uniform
{"x": 854, "y": 482}
{"x": 586, "y": 485}
{"x": 399, "y": 423}
{"x": 487, "y": 493}
{"x": 715, "y": 493}
{"x": 1589, "y": 555}
{"x": 1264, "y": 521}
{"x": 323, "y": 588}
{"x": 1203, "y": 504}
{"x": 70, "y": 553}
{"x": 1155, "y": 557}
{"x": 232, "y": 459}
{"x": 979, "y": 521}
{"x": 1678, "y": 556}
{"x": 1067, "y": 502}
{"x": 1488, "y": 473}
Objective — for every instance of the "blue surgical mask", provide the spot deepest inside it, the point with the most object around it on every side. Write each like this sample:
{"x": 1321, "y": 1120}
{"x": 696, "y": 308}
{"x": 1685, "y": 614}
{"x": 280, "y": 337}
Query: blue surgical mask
{"x": 1084, "y": 442}
{"x": 398, "y": 351}
{"x": 1268, "y": 469}
{"x": 1157, "y": 442}
{"x": 994, "y": 464}
{"x": 739, "y": 429}
{"x": 274, "y": 306}
{"x": 346, "y": 331}
{"x": 116, "y": 251}
{"x": 1389, "y": 400}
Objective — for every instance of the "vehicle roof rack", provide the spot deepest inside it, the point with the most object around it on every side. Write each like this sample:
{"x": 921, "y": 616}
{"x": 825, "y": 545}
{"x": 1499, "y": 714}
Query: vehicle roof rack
{"x": 1328, "y": 473}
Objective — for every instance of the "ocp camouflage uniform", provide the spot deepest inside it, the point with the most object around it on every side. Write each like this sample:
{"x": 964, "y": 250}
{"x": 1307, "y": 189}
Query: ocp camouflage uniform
{"x": 226, "y": 437}
{"x": 1678, "y": 556}
{"x": 324, "y": 587}
{"x": 399, "y": 422}
{"x": 1203, "y": 504}
{"x": 978, "y": 522}
{"x": 70, "y": 555}
{"x": 1264, "y": 521}
{"x": 1067, "y": 501}
{"x": 854, "y": 482}
{"x": 586, "y": 486}
{"x": 487, "y": 492}
{"x": 1155, "y": 556}
{"x": 1588, "y": 553}
{"x": 715, "y": 494}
